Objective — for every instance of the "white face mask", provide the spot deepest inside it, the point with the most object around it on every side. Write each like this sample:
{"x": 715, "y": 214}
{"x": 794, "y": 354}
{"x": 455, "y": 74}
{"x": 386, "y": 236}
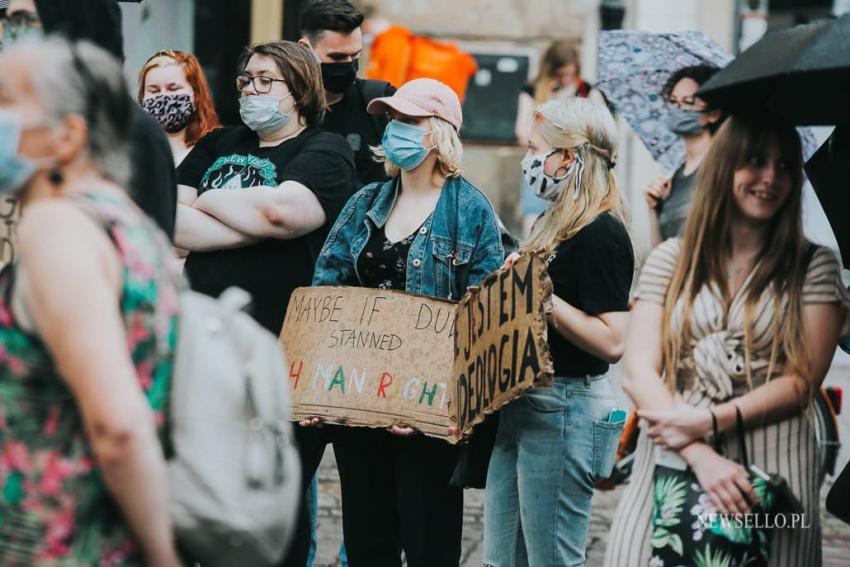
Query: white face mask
{"x": 261, "y": 113}
{"x": 544, "y": 185}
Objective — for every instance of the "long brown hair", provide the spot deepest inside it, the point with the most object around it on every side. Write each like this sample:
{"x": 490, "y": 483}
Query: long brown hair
{"x": 707, "y": 240}
{"x": 205, "y": 118}
{"x": 588, "y": 128}
{"x": 559, "y": 54}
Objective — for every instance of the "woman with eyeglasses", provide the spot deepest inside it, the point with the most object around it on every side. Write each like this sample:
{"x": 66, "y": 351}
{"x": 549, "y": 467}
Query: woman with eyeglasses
{"x": 256, "y": 200}
{"x": 174, "y": 91}
{"x": 553, "y": 444}
{"x": 669, "y": 198}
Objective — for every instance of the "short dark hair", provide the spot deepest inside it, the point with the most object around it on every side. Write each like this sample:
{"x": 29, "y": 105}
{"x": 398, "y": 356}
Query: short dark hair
{"x": 319, "y": 16}
{"x": 300, "y": 70}
{"x": 700, "y": 74}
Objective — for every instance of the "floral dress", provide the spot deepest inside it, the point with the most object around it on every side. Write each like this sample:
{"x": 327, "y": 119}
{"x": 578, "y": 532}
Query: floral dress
{"x": 55, "y": 509}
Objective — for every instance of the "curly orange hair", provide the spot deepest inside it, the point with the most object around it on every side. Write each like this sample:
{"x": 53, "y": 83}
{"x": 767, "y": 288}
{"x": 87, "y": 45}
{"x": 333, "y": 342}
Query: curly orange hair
{"x": 205, "y": 119}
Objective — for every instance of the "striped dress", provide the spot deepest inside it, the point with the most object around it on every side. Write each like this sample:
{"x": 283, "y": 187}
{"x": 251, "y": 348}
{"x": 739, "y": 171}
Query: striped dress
{"x": 713, "y": 371}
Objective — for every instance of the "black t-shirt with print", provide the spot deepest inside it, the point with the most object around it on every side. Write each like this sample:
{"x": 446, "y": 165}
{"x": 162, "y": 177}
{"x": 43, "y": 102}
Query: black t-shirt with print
{"x": 592, "y": 271}
{"x": 230, "y": 158}
{"x": 349, "y": 119}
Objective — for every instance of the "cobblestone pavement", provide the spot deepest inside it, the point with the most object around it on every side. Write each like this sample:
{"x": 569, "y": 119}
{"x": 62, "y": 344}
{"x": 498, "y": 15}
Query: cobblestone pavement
{"x": 836, "y": 535}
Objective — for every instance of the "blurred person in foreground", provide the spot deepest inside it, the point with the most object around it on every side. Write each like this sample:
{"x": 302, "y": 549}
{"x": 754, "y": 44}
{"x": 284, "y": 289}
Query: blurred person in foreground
{"x": 153, "y": 182}
{"x": 174, "y": 91}
{"x": 740, "y": 313}
{"x": 88, "y": 321}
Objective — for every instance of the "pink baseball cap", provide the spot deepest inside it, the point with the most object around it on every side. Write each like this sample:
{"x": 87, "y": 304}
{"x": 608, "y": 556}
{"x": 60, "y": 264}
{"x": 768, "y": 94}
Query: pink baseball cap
{"x": 420, "y": 98}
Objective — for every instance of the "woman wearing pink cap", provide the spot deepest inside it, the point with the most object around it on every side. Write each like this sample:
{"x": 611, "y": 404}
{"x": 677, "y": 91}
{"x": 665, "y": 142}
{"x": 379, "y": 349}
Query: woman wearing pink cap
{"x": 407, "y": 234}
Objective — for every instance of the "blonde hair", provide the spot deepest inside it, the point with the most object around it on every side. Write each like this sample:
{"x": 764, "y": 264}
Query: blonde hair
{"x": 586, "y": 127}
{"x": 447, "y": 144}
{"x": 707, "y": 240}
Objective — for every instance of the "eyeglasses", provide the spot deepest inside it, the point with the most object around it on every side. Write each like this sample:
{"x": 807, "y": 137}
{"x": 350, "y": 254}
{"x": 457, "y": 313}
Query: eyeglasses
{"x": 263, "y": 85}
{"x": 690, "y": 102}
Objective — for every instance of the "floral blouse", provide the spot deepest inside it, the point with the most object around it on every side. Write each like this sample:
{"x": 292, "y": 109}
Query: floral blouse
{"x": 55, "y": 509}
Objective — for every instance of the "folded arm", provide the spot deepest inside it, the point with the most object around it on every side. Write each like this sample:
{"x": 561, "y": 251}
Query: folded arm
{"x": 287, "y": 211}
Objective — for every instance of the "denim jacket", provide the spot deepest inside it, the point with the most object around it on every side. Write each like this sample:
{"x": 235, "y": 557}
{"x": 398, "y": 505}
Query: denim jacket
{"x": 457, "y": 246}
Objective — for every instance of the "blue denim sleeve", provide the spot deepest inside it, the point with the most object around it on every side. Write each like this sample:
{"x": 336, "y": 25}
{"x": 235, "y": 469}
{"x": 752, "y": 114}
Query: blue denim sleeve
{"x": 335, "y": 265}
{"x": 488, "y": 255}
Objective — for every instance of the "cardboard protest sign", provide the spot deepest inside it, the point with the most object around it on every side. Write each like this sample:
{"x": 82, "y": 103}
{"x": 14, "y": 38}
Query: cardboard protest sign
{"x": 368, "y": 357}
{"x": 361, "y": 356}
{"x": 500, "y": 347}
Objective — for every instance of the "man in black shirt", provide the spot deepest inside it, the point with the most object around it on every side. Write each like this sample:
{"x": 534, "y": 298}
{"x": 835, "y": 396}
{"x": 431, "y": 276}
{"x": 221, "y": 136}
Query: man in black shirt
{"x": 331, "y": 28}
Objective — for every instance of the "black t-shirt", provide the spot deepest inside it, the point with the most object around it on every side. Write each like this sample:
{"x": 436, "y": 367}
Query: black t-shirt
{"x": 153, "y": 184}
{"x": 230, "y": 158}
{"x": 349, "y": 119}
{"x": 593, "y": 272}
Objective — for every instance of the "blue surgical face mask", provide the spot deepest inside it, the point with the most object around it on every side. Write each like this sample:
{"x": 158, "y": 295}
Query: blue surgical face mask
{"x": 684, "y": 122}
{"x": 402, "y": 144}
{"x": 21, "y": 26}
{"x": 15, "y": 171}
{"x": 261, "y": 113}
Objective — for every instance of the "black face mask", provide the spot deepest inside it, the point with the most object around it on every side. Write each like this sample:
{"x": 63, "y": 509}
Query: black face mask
{"x": 337, "y": 77}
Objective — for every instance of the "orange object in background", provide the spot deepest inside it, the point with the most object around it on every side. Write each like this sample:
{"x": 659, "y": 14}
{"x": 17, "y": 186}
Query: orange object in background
{"x": 397, "y": 56}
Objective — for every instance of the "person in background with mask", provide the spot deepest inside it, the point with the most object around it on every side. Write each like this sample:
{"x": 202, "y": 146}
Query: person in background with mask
{"x": 331, "y": 29}
{"x": 669, "y": 198}
{"x": 256, "y": 201}
{"x": 88, "y": 326}
{"x": 559, "y": 77}
{"x": 174, "y": 91}
{"x": 426, "y": 231}
{"x": 553, "y": 444}
{"x": 152, "y": 184}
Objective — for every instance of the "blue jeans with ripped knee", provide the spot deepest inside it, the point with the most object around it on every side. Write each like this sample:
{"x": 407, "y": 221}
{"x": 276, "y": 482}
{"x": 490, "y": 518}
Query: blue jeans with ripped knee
{"x": 552, "y": 445}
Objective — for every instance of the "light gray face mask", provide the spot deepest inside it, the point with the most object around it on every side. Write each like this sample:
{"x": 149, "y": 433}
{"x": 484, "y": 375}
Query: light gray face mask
{"x": 546, "y": 186}
{"x": 261, "y": 113}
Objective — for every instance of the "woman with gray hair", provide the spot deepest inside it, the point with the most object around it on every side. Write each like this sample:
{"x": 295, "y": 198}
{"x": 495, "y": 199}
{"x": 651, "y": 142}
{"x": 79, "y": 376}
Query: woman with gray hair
{"x": 88, "y": 320}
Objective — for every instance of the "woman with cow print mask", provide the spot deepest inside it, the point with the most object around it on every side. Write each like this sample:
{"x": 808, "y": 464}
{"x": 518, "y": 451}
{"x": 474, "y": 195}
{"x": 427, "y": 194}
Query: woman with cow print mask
{"x": 553, "y": 444}
{"x": 174, "y": 91}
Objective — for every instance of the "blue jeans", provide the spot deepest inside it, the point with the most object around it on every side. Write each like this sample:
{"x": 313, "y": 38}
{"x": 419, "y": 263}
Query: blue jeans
{"x": 313, "y": 497}
{"x": 552, "y": 445}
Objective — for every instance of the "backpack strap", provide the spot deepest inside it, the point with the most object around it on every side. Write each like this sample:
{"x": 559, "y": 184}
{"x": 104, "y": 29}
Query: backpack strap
{"x": 370, "y": 90}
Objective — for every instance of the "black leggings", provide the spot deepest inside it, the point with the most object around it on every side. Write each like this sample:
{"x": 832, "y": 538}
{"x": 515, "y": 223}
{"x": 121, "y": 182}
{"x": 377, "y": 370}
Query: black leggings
{"x": 396, "y": 495}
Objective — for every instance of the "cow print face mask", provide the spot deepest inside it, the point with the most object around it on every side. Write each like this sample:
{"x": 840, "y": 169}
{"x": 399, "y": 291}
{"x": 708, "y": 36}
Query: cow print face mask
{"x": 172, "y": 111}
{"x": 545, "y": 186}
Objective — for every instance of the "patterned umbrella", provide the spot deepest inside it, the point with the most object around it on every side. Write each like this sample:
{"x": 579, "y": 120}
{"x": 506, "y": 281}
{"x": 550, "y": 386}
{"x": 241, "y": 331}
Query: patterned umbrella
{"x": 633, "y": 67}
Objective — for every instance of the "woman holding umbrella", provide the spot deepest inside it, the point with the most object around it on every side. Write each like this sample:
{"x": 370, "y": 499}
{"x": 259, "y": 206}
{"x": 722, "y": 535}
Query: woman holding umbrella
{"x": 669, "y": 198}
{"x": 740, "y": 314}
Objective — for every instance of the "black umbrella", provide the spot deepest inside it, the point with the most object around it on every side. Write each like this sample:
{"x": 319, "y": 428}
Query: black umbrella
{"x": 829, "y": 172}
{"x": 802, "y": 73}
